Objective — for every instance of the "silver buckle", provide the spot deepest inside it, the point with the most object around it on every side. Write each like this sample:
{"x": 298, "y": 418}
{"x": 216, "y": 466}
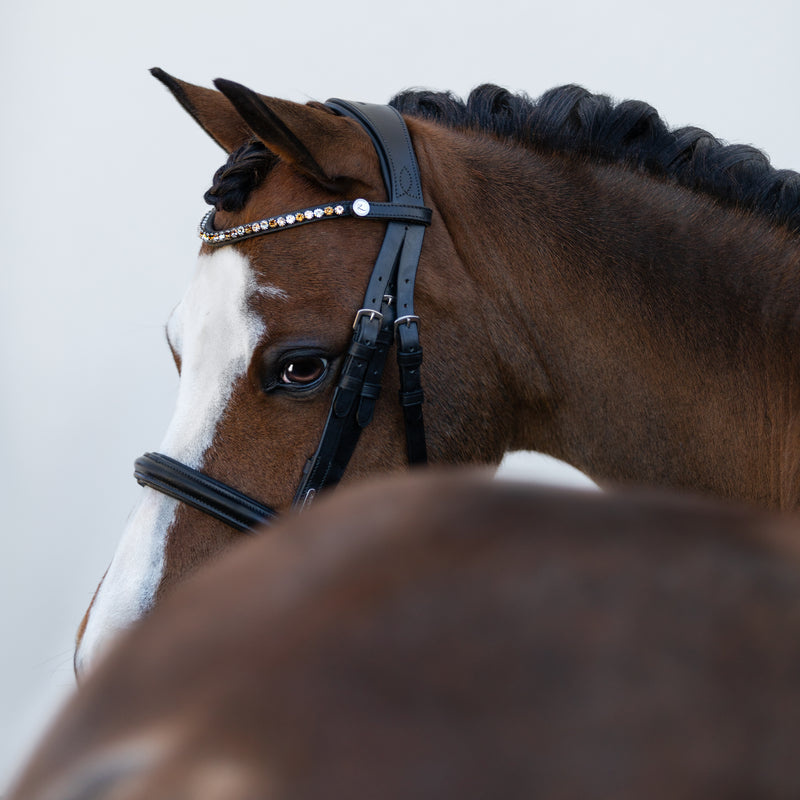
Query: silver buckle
{"x": 407, "y": 320}
{"x": 367, "y": 312}
{"x": 308, "y": 499}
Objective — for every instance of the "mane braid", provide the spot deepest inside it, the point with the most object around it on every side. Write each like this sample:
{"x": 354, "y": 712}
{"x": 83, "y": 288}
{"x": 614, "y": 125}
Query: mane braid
{"x": 570, "y": 119}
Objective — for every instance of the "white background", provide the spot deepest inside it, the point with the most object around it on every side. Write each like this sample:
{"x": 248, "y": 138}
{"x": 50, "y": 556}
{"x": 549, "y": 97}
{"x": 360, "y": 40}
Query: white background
{"x": 101, "y": 190}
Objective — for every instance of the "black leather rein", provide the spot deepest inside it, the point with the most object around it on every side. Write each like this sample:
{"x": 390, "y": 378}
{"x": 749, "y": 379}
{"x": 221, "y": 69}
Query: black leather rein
{"x": 386, "y": 316}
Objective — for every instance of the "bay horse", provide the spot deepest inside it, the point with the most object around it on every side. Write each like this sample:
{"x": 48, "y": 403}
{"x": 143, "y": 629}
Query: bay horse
{"x": 444, "y": 635}
{"x": 591, "y": 285}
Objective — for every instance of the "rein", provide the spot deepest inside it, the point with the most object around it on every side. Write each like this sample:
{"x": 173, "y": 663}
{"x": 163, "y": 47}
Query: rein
{"x": 387, "y": 315}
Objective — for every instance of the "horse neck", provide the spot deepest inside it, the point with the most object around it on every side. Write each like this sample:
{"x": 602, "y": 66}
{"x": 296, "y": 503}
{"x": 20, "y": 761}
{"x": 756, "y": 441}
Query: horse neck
{"x": 658, "y": 327}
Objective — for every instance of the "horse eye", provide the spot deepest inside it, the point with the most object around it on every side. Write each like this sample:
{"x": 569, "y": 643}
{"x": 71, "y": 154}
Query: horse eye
{"x": 303, "y": 371}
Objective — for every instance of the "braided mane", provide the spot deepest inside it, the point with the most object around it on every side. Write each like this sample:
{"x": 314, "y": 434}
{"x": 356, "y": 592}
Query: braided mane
{"x": 569, "y": 119}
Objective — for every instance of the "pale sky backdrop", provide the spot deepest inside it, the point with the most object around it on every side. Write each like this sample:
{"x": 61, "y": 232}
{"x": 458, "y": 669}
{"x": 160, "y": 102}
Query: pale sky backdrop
{"x": 101, "y": 191}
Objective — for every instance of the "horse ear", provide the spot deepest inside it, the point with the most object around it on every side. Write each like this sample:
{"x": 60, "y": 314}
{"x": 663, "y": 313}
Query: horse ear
{"x": 329, "y": 149}
{"x": 210, "y": 110}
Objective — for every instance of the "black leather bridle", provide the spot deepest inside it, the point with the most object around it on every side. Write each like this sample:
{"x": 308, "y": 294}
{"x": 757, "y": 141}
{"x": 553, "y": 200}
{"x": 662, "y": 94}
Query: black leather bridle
{"x": 386, "y": 316}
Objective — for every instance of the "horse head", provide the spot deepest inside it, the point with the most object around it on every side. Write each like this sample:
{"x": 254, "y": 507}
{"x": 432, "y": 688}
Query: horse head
{"x": 261, "y": 335}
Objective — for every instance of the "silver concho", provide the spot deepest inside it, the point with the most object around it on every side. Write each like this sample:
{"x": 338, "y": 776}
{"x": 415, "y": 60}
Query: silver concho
{"x": 360, "y": 207}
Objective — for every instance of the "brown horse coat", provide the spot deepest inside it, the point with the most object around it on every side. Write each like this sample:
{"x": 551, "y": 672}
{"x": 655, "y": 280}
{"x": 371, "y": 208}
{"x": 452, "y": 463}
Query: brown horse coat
{"x": 443, "y": 636}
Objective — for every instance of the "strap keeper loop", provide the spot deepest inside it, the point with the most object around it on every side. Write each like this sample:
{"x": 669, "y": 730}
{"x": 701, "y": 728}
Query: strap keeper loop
{"x": 410, "y": 359}
{"x": 414, "y": 398}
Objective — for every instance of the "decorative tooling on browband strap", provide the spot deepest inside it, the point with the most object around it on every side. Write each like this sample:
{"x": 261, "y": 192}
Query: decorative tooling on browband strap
{"x": 345, "y": 208}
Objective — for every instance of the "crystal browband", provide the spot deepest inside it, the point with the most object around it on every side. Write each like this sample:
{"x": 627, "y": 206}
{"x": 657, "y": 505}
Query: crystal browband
{"x": 346, "y": 208}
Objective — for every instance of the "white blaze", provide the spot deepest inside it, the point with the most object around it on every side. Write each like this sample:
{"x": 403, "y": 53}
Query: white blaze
{"x": 215, "y": 336}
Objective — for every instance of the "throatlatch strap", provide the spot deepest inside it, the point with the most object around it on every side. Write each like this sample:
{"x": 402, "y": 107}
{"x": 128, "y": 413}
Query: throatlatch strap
{"x": 409, "y": 349}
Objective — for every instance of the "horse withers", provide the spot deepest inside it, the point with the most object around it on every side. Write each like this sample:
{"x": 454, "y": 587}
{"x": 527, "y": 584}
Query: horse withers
{"x": 591, "y": 285}
{"x": 447, "y": 636}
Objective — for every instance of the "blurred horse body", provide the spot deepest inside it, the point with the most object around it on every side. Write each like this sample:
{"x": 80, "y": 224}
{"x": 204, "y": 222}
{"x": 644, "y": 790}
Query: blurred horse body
{"x": 447, "y": 636}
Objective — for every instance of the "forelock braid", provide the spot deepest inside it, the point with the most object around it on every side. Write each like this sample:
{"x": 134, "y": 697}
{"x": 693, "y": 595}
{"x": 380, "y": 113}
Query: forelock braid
{"x": 245, "y": 168}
